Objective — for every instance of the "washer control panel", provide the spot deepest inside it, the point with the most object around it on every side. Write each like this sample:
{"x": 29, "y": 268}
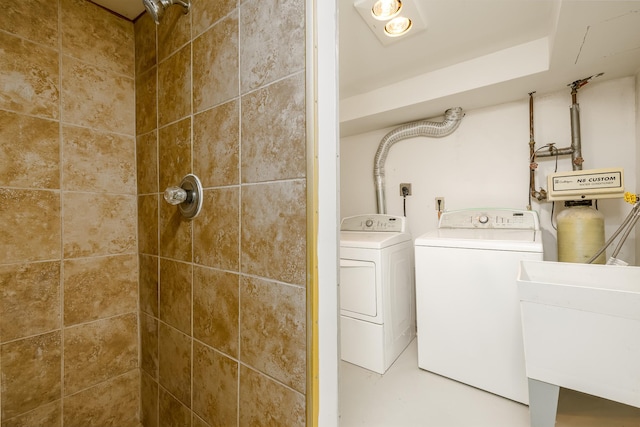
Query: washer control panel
{"x": 374, "y": 222}
{"x": 490, "y": 218}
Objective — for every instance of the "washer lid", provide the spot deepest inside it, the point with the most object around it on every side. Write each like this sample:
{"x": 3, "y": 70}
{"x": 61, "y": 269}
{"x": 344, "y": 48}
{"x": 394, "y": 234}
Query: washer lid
{"x": 371, "y": 240}
{"x": 492, "y": 239}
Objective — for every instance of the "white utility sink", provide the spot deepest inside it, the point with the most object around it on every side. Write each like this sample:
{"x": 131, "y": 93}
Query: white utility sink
{"x": 581, "y": 329}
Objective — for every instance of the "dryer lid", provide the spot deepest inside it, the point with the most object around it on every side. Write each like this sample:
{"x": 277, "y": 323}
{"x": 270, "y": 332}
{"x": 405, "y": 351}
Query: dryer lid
{"x": 371, "y": 240}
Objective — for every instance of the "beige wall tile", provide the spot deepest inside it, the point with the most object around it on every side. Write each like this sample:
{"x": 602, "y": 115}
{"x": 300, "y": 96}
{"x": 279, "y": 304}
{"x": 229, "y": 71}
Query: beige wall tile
{"x": 174, "y": 87}
{"x": 148, "y": 284}
{"x": 172, "y": 412}
{"x": 272, "y": 330}
{"x": 148, "y": 224}
{"x": 216, "y": 309}
{"x": 216, "y": 146}
{"x": 96, "y": 288}
{"x": 215, "y": 386}
{"x": 175, "y": 294}
{"x": 147, "y": 163}
{"x": 205, "y": 13}
{"x": 174, "y": 31}
{"x": 49, "y": 415}
{"x": 273, "y": 41}
{"x": 216, "y": 230}
{"x": 215, "y": 64}
{"x": 174, "y": 158}
{"x": 149, "y": 401}
{"x": 97, "y": 351}
{"x": 41, "y": 27}
{"x": 145, "y": 42}
{"x": 97, "y": 37}
{"x": 175, "y": 364}
{"x": 274, "y": 230}
{"x": 30, "y": 76}
{"x": 114, "y": 403}
{"x": 29, "y": 225}
{"x": 198, "y": 422}
{"x": 273, "y": 123}
{"x": 263, "y": 402}
{"x": 97, "y": 98}
{"x": 175, "y": 233}
{"x": 146, "y": 100}
{"x": 30, "y": 371}
{"x": 98, "y": 161}
{"x": 149, "y": 345}
{"x": 29, "y": 299}
{"x": 29, "y": 152}
{"x": 98, "y": 224}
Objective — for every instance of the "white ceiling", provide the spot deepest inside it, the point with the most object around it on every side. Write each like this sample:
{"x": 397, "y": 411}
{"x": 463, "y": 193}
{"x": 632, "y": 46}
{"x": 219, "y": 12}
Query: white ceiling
{"x": 473, "y": 53}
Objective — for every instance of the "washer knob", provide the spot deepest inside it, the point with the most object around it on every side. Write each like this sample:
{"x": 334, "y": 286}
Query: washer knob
{"x": 483, "y": 219}
{"x": 368, "y": 222}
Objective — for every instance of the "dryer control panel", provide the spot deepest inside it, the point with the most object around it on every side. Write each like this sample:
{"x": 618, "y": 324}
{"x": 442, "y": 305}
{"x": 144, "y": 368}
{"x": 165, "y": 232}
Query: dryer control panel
{"x": 374, "y": 222}
{"x": 490, "y": 218}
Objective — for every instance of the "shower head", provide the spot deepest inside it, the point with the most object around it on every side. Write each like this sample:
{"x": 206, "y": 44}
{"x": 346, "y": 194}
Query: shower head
{"x": 156, "y": 7}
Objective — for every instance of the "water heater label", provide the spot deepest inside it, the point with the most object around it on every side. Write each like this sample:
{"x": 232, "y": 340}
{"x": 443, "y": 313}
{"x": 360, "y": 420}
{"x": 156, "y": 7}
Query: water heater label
{"x": 586, "y": 184}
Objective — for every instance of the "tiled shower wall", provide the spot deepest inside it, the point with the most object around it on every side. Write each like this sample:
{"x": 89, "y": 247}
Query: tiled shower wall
{"x": 68, "y": 247}
{"x": 220, "y": 92}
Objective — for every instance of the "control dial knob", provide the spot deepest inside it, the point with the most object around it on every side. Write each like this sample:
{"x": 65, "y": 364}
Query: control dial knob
{"x": 368, "y": 222}
{"x": 483, "y": 219}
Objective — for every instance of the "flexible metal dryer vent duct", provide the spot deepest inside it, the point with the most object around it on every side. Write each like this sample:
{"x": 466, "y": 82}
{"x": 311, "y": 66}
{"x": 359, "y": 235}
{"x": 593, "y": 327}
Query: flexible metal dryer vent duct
{"x": 452, "y": 118}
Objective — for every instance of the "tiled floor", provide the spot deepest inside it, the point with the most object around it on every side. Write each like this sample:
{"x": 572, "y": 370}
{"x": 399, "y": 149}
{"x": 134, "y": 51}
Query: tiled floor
{"x": 407, "y": 396}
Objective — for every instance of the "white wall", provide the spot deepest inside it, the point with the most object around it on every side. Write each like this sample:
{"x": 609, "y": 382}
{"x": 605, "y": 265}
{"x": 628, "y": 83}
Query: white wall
{"x": 485, "y": 162}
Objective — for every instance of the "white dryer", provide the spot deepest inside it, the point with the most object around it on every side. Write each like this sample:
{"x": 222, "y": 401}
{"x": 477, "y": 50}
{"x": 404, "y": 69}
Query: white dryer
{"x": 377, "y": 292}
{"x": 468, "y": 311}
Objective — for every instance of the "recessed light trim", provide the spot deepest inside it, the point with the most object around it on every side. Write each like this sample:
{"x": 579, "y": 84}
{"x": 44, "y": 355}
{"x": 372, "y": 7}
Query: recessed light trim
{"x": 383, "y": 10}
{"x": 398, "y": 26}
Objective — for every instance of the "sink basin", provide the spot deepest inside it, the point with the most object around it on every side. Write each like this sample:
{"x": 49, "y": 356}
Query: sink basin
{"x": 581, "y": 330}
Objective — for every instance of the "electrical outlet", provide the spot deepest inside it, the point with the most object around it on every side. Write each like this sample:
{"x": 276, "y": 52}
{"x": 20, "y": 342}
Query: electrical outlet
{"x": 405, "y": 189}
{"x": 440, "y": 204}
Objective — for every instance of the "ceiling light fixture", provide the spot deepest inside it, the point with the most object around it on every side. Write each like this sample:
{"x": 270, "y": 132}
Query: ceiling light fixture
{"x": 390, "y": 19}
{"x": 397, "y": 26}
{"x": 383, "y": 10}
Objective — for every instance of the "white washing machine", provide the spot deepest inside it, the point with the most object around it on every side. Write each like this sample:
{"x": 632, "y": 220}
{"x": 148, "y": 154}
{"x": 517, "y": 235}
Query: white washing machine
{"x": 377, "y": 290}
{"x": 468, "y": 312}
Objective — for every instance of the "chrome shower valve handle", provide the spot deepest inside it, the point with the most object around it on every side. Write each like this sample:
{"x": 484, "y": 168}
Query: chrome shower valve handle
{"x": 188, "y": 196}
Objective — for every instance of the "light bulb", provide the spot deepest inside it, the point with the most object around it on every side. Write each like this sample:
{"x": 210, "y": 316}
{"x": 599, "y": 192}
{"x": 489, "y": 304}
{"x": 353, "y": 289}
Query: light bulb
{"x": 386, "y": 9}
{"x": 397, "y": 26}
